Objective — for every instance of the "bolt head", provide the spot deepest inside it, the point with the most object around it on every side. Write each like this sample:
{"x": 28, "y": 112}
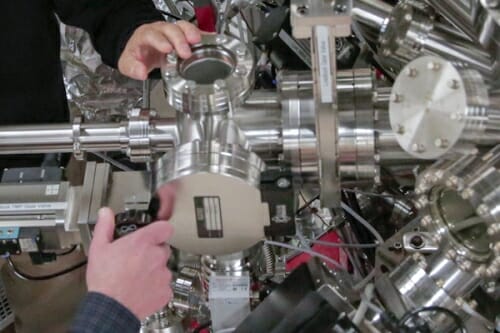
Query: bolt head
{"x": 220, "y": 39}
{"x": 453, "y": 84}
{"x": 397, "y": 98}
{"x": 412, "y": 72}
{"x": 283, "y": 182}
{"x": 172, "y": 58}
{"x": 240, "y": 70}
{"x": 418, "y": 147}
{"x": 434, "y": 66}
{"x": 441, "y": 143}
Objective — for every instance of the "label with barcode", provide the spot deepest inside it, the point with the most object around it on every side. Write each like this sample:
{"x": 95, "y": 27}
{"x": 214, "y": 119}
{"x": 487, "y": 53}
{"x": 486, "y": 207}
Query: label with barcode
{"x": 208, "y": 217}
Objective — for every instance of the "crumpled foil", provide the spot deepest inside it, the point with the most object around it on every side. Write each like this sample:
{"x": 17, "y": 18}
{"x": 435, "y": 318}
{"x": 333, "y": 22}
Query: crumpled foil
{"x": 93, "y": 89}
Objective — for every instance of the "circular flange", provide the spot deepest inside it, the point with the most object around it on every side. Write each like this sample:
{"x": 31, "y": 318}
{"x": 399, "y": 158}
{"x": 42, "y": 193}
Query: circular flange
{"x": 219, "y": 75}
{"x": 428, "y": 107}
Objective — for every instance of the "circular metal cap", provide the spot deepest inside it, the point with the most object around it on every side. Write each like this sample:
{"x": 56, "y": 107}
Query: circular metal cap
{"x": 218, "y": 207}
{"x": 217, "y": 76}
{"x": 428, "y": 107}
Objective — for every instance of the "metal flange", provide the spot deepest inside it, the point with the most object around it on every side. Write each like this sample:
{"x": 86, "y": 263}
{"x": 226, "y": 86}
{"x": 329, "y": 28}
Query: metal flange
{"x": 218, "y": 76}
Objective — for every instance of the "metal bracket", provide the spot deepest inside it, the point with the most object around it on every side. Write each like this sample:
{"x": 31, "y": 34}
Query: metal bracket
{"x": 77, "y": 147}
{"x": 322, "y": 21}
{"x": 139, "y": 145}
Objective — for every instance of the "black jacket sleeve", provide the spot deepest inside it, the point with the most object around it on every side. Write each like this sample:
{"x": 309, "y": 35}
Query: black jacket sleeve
{"x": 99, "y": 313}
{"x": 110, "y": 23}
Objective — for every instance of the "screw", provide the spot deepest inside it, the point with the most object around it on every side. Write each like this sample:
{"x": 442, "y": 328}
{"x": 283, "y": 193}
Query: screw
{"x": 397, "y": 98}
{"x": 189, "y": 86}
{"x": 451, "y": 254}
{"x": 169, "y": 74}
{"x": 483, "y": 210}
{"x": 412, "y": 72}
{"x": 401, "y": 129}
{"x": 408, "y": 17}
{"x": 434, "y": 66}
{"x": 453, "y": 84}
{"x": 240, "y": 70}
{"x": 417, "y": 242}
{"x": 219, "y": 84}
{"x": 172, "y": 58}
{"x": 426, "y": 220}
{"x": 220, "y": 39}
{"x": 303, "y": 10}
{"x": 241, "y": 51}
{"x": 283, "y": 182}
{"x": 418, "y": 148}
{"x": 441, "y": 143}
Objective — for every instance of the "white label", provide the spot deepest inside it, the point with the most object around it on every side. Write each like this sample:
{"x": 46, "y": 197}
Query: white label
{"x": 27, "y": 206}
{"x": 28, "y": 245}
{"x": 229, "y": 287}
{"x": 52, "y": 189}
{"x": 212, "y": 213}
{"x": 324, "y": 65}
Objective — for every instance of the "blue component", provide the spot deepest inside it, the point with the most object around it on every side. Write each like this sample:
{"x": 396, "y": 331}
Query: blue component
{"x": 9, "y": 233}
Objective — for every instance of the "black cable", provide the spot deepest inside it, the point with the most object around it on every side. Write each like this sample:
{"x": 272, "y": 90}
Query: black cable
{"x": 458, "y": 321}
{"x": 28, "y": 277}
{"x": 64, "y": 253}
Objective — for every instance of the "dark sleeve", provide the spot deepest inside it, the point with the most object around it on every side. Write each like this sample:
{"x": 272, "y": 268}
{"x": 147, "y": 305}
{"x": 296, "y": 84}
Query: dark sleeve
{"x": 110, "y": 23}
{"x": 101, "y": 314}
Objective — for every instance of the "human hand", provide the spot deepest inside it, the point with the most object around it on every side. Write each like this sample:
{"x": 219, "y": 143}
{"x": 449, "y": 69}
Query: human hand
{"x": 133, "y": 269}
{"x": 150, "y": 42}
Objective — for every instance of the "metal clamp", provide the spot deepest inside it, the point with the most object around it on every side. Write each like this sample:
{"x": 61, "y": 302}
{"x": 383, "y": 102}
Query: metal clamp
{"x": 139, "y": 143}
{"x": 77, "y": 146}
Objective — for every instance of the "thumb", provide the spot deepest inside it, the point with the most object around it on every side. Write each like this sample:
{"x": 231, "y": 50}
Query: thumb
{"x": 104, "y": 229}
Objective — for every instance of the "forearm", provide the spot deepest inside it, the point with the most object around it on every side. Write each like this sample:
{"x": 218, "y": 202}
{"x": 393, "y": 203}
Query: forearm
{"x": 101, "y": 314}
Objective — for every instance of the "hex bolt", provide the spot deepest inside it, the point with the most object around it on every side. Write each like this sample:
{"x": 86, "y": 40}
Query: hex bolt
{"x": 426, "y": 220}
{"x": 453, "y": 84}
{"x": 417, "y": 242}
{"x": 412, "y": 72}
{"x": 241, "y": 51}
{"x": 240, "y": 70}
{"x": 441, "y": 143}
{"x": 303, "y": 10}
{"x": 172, "y": 58}
{"x": 397, "y": 98}
{"x": 434, "y": 66}
{"x": 220, "y": 39}
{"x": 283, "y": 182}
{"x": 418, "y": 147}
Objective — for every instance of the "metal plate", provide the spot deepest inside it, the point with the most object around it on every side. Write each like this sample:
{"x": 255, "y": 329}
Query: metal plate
{"x": 428, "y": 106}
{"x": 242, "y": 214}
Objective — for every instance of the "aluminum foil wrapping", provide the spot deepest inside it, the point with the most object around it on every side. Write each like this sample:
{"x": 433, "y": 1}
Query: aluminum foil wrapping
{"x": 93, "y": 89}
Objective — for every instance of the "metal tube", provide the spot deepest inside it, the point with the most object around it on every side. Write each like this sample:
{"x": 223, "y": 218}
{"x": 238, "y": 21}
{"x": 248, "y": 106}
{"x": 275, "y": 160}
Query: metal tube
{"x": 260, "y": 121}
{"x": 97, "y": 137}
{"x": 371, "y": 13}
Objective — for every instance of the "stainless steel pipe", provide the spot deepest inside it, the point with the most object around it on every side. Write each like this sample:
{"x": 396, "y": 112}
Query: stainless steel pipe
{"x": 98, "y": 137}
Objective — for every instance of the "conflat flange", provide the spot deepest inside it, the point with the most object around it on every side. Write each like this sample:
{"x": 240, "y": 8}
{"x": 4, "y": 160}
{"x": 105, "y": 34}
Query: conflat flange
{"x": 428, "y": 107}
{"x": 218, "y": 76}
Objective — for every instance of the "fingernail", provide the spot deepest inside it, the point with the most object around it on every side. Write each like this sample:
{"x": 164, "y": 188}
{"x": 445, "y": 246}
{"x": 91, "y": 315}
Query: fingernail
{"x": 102, "y": 213}
{"x": 186, "y": 50}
